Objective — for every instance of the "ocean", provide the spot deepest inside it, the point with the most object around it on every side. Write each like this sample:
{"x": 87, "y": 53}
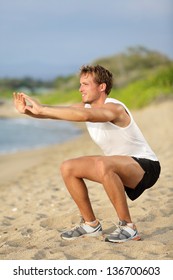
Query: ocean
{"x": 24, "y": 134}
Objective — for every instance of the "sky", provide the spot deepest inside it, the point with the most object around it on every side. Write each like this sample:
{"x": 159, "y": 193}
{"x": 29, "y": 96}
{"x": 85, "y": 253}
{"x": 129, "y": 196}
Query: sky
{"x": 47, "y": 38}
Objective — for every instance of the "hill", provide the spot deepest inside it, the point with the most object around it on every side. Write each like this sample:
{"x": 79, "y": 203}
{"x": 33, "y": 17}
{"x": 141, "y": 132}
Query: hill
{"x": 136, "y": 63}
{"x": 141, "y": 76}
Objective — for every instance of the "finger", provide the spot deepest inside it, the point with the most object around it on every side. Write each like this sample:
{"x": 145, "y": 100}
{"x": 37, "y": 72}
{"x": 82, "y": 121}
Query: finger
{"x": 15, "y": 95}
{"x": 29, "y": 99}
{"x": 20, "y": 96}
{"x": 23, "y": 94}
{"x": 29, "y": 108}
{"x": 23, "y": 100}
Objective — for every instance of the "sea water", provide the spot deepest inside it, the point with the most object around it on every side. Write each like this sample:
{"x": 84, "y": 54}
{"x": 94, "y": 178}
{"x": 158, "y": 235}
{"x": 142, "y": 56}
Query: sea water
{"x": 23, "y": 134}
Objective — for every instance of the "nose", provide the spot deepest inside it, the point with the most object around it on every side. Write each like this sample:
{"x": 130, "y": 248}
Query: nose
{"x": 80, "y": 88}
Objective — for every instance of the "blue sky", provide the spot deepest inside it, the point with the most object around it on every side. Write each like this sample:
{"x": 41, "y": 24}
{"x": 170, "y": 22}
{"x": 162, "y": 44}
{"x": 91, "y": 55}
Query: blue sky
{"x": 47, "y": 38}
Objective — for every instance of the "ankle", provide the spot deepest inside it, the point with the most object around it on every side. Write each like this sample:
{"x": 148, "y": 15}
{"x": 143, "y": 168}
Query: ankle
{"x": 125, "y": 223}
{"x": 92, "y": 223}
{"x": 130, "y": 225}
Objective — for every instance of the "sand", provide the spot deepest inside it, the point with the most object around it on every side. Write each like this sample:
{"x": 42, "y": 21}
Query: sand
{"x": 35, "y": 206}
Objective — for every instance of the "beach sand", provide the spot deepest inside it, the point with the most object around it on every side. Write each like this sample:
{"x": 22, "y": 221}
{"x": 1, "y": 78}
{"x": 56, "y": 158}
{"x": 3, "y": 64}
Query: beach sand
{"x": 35, "y": 206}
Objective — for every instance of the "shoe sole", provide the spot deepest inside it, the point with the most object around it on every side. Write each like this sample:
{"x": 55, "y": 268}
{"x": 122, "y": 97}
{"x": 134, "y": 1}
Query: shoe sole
{"x": 94, "y": 234}
{"x": 135, "y": 238}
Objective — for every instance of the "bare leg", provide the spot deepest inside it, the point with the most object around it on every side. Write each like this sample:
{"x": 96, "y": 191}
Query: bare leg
{"x": 79, "y": 193}
{"x": 112, "y": 172}
{"x": 115, "y": 191}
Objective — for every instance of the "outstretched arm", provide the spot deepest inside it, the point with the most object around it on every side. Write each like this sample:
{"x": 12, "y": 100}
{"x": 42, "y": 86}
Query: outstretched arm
{"x": 105, "y": 113}
{"x": 27, "y": 105}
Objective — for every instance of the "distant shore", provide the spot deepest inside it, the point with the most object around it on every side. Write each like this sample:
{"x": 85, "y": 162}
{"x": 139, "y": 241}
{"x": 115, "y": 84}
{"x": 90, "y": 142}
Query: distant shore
{"x": 35, "y": 206}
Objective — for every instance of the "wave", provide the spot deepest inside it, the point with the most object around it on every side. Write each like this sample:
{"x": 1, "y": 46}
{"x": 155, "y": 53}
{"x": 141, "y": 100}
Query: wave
{"x": 23, "y": 134}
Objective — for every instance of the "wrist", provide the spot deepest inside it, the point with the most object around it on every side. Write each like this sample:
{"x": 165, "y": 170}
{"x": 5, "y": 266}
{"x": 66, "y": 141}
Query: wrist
{"x": 43, "y": 110}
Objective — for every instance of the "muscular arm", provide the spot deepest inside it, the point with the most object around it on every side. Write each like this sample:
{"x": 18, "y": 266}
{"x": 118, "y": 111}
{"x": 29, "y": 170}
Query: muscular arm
{"x": 78, "y": 113}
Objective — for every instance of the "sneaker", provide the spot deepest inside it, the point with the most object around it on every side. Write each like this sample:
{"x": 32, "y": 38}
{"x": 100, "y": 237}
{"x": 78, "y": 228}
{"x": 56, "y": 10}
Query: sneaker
{"x": 123, "y": 233}
{"x": 82, "y": 230}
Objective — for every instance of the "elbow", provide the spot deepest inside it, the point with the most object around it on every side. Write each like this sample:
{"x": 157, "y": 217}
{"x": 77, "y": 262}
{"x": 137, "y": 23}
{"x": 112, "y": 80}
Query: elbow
{"x": 83, "y": 115}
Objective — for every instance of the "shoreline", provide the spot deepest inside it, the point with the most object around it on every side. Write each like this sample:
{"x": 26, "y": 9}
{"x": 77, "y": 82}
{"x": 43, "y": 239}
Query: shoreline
{"x": 36, "y": 207}
{"x": 21, "y": 134}
{"x": 26, "y": 159}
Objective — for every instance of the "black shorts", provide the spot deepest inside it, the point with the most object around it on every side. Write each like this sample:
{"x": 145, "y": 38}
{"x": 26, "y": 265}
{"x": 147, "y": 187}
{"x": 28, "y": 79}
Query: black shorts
{"x": 152, "y": 171}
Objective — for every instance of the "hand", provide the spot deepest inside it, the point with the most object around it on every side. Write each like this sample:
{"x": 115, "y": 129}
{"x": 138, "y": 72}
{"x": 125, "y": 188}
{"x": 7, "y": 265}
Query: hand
{"x": 32, "y": 105}
{"x": 19, "y": 102}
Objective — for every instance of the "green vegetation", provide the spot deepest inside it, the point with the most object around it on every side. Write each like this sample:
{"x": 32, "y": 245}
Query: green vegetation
{"x": 141, "y": 76}
{"x": 134, "y": 64}
{"x": 142, "y": 92}
{"x": 135, "y": 95}
{"x": 61, "y": 97}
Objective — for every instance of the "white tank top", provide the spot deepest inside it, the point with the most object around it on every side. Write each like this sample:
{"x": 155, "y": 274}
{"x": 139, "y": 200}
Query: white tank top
{"x": 116, "y": 140}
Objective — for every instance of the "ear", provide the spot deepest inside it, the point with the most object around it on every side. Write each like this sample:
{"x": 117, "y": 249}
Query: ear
{"x": 103, "y": 87}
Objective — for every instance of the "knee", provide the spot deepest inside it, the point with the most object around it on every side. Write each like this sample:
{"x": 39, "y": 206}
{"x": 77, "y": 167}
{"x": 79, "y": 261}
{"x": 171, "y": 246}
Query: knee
{"x": 66, "y": 168}
{"x": 102, "y": 168}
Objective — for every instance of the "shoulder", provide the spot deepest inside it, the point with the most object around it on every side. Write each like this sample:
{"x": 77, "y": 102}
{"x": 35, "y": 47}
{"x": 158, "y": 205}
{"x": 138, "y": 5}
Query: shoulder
{"x": 117, "y": 104}
{"x": 122, "y": 113}
{"x": 113, "y": 101}
{"x": 114, "y": 104}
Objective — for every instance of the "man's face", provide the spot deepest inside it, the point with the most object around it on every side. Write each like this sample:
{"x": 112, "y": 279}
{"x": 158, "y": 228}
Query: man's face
{"x": 89, "y": 89}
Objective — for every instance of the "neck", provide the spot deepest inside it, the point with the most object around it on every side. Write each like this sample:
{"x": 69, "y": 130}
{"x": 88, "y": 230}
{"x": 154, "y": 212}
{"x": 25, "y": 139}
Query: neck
{"x": 99, "y": 102}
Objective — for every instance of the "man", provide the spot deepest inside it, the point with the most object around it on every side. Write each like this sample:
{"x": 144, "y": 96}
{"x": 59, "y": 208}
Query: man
{"x": 128, "y": 165}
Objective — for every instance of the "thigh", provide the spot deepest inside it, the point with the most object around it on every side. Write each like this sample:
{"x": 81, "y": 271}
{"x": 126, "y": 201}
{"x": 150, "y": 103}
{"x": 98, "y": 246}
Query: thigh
{"x": 129, "y": 170}
{"x": 84, "y": 167}
{"x": 94, "y": 167}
